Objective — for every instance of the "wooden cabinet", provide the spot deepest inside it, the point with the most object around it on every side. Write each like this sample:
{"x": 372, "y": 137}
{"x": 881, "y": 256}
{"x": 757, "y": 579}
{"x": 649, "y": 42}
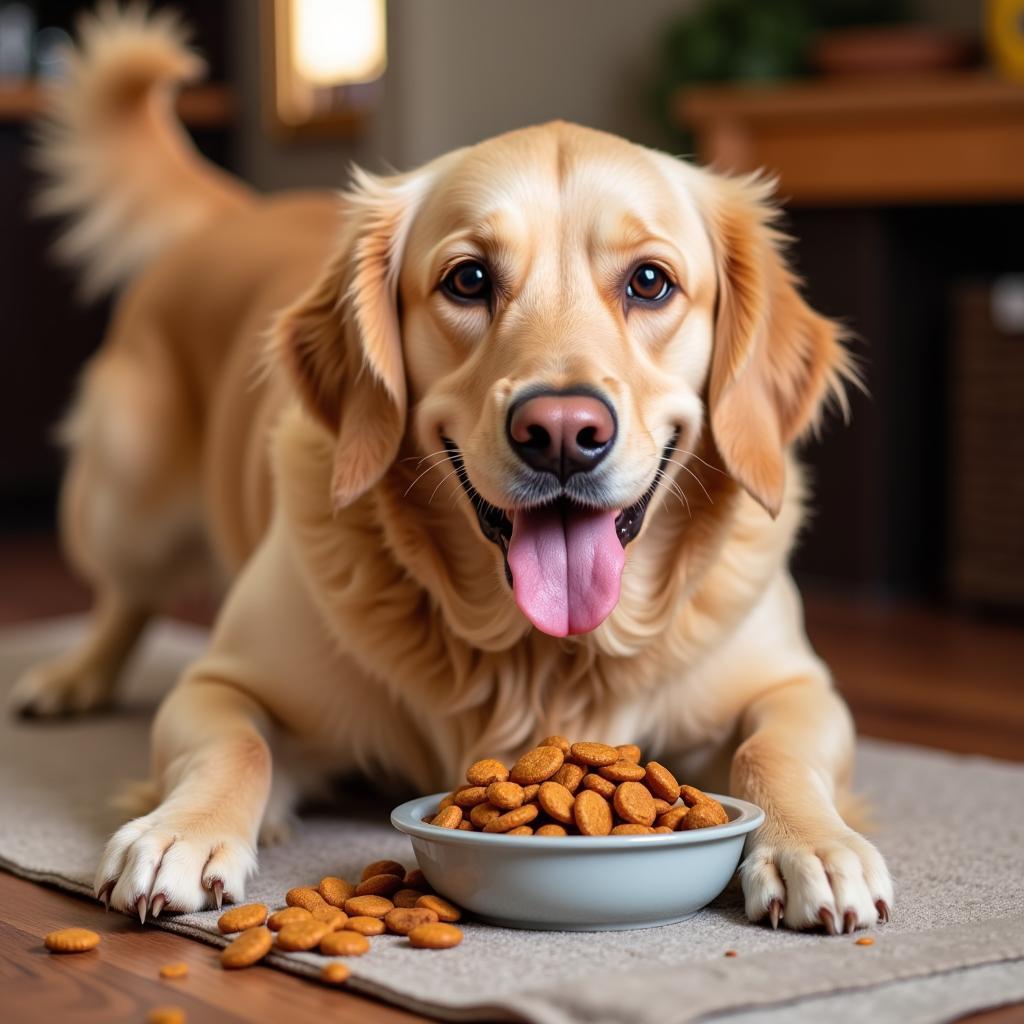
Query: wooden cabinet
{"x": 896, "y": 191}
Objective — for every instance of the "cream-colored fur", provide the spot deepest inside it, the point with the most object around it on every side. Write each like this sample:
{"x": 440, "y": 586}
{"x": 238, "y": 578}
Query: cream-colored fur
{"x": 269, "y": 408}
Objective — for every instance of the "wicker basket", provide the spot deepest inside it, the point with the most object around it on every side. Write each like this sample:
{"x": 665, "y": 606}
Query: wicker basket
{"x": 987, "y": 456}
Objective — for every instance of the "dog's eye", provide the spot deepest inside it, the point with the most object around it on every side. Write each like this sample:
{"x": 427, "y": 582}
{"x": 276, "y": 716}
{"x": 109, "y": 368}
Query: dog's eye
{"x": 468, "y": 281}
{"x": 648, "y": 284}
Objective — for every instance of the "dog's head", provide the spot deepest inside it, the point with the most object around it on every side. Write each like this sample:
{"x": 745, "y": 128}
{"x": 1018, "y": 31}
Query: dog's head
{"x": 553, "y": 318}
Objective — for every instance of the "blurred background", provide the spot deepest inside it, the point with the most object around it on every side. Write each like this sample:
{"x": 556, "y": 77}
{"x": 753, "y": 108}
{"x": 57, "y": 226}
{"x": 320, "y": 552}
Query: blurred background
{"x": 896, "y": 131}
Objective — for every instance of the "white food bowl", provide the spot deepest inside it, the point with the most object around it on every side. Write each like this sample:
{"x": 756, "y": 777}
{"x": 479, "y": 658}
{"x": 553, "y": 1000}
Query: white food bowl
{"x": 578, "y": 883}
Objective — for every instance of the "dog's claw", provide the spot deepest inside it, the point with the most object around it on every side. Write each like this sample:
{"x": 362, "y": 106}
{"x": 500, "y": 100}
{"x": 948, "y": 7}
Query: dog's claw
{"x": 849, "y": 922}
{"x": 104, "y": 894}
{"x": 826, "y": 918}
{"x": 883, "y": 911}
{"x": 140, "y": 905}
{"x": 775, "y": 912}
{"x": 159, "y": 900}
{"x": 217, "y": 888}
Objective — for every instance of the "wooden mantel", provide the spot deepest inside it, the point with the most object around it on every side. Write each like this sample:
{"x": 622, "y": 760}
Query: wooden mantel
{"x": 943, "y": 137}
{"x": 201, "y": 106}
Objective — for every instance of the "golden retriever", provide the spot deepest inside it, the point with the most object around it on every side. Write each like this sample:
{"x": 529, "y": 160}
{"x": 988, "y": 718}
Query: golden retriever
{"x": 489, "y": 450}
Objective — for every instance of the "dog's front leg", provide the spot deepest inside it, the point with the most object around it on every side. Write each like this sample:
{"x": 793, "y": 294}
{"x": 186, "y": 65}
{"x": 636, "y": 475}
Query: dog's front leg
{"x": 805, "y": 864}
{"x": 198, "y": 846}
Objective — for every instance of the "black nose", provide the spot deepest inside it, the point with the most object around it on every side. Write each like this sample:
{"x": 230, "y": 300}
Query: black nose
{"x": 561, "y": 433}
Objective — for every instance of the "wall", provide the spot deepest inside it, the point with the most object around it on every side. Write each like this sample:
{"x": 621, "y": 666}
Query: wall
{"x": 461, "y": 70}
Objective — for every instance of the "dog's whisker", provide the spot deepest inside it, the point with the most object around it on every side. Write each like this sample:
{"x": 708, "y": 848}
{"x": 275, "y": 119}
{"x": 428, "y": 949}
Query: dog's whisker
{"x": 454, "y": 472}
{"x": 700, "y": 483}
{"x": 421, "y": 476}
{"x": 676, "y": 491}
{"x": 694, "y": 455}
{"x": 420, "y": 459}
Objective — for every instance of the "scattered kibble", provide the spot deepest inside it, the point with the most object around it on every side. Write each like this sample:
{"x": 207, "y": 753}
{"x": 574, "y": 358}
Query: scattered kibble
{"x": 71, "y": 940}
{"x": 166, "y": 1015}
{"x": 172, "y": 972}
{"x": 335, "y": 973}
{"x": 866, "y": 941}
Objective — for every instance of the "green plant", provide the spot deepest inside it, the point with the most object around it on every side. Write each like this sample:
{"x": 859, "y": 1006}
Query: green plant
{"x": 752, "y": 41}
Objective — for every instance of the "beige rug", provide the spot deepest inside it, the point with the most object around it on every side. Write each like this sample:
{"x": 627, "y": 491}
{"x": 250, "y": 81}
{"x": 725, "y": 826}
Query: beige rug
{"x": 953, "y": 834}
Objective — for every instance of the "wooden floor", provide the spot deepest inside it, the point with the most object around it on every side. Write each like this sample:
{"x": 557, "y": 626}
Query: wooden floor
{"x": 909, "y": 673}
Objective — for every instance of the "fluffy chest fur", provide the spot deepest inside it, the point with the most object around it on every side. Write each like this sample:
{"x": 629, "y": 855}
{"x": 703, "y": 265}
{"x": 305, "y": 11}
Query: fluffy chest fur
{"x": 411, "y": 592}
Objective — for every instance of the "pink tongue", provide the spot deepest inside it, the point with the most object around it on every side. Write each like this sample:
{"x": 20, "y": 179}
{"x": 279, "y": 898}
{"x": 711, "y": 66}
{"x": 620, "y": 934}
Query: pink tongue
{"x": 566, "y": 568}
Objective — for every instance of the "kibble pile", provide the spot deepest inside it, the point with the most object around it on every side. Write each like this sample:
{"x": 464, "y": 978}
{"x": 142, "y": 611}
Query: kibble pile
{"x": 337, "y": 918}
{"x": 589, "y": 789}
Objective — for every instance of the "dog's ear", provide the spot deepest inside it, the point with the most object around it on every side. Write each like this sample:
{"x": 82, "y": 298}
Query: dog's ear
{"x": 775, "y": 360}
{"x": 342, "y": 339}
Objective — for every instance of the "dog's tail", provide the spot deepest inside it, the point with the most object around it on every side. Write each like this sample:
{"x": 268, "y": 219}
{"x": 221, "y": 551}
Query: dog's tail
{"x": 116, "y": 159}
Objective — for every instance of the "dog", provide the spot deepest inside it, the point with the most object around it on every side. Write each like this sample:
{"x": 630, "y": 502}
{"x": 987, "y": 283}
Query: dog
{"x": 493, "y": 449}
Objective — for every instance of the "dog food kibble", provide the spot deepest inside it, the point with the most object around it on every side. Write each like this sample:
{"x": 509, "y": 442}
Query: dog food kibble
{"x": 569, "y": 775}
{"x": 335, "y": 973}
{"x": 692, "y": 796}
{"x": 279, "y": 918}
{"x": 556, "y": 802}
{"x": 470, "y": 796}
{"x": 564, "y": 789}
{"x": 382, "y": 867}
{"x": 445, "y": 911}
{"x": 171, "y": 972}
{"x": 483, "y": 773}
{"x": 435, "y": 936}
{"x": 368, "y": 906}
{"x": 166, "y": 1015}
{"x": 622, "y": 771}
{"x": 634, "y": 804}
{"x": 705, "y": 814}
{"x": 551, "y": 830}
{"x": 415, "y": 879}
{"x": 561, "y": 742}
{"x": 594, "y": 755}
{"x": 380, "y": 885}
{"x": 336, "y": 890}
{"x": 450, "y": 817}
{"x": 730, "y": 953}
{"x": 661, "y": 782}
{"x": 330, "y": 916}
{"x": 249, "y": 948}
{"x": 406, "y": 898}
{"x": 302, "y": 935}
{"x": 513, "y": 819}
{"x": 866, "y": 941}
{"x": 304, "y": 896}
{"x": 602, "y": 786}
{"x": 71, "y": 940}
{"x": 483, "y": 814}
{"x": 237, "y": 919}
{"x": 537, "y": 765}
{"x": 505, "y": 795}
{"x": 365, "y": 925}
{"x": 401, "y": 922}
{"x": 344, "y": 943}
{"x": 629, "y": 752}
{"x": 592, "y": 813}
{"x": 672, "y": 818}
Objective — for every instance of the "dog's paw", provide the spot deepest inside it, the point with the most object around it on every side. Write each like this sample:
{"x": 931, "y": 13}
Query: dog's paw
{"x": 171, "y": 860}
{"x": 59, "y": 688}
{"x": 839, "y": 883}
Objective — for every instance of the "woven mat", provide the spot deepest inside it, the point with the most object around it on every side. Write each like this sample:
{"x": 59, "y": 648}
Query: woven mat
{"x": 953, "y": 832}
